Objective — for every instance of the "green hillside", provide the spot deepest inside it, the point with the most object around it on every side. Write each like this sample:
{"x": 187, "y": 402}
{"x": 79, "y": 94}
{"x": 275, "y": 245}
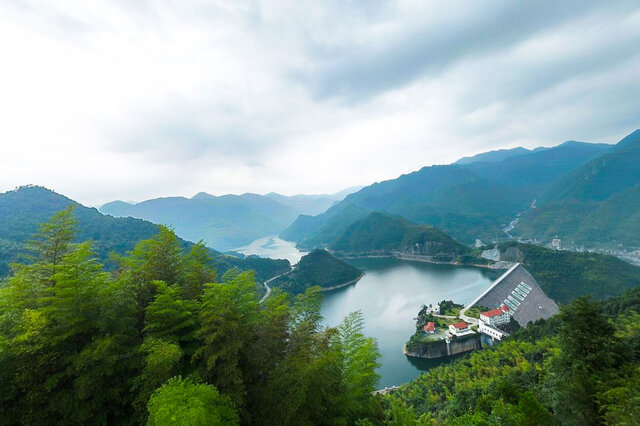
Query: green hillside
{"x": 565, "y": 275}
{"x": 224, "y": 222}
{"x": 536, "y": 171}
{"x": 380, "y": 231}
{"x": 597, "y": 204}
{"x": 318, "y": 268}
{"x": 317, "y": 231}
{"x": 467, "y": 201}
{"x": 22, "y": 210}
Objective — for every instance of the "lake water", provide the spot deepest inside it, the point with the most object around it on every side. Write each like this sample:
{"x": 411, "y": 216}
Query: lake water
{"x": 390, "y": 295}
{"x": 274, "y": 248}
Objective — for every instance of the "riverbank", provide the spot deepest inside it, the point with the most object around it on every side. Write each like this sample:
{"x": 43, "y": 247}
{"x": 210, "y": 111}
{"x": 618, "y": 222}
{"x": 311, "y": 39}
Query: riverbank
{"x": 419, "y": 258}
{"x": 335, "y": 287}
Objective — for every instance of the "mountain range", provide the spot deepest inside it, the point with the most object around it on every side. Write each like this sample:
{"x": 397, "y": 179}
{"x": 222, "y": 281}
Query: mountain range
{"x": 598, "y": 203}
{"x": 23, "y": 209}
{"x": 228, "y": 221}
{"x": 312, "y": 204}
{"x": 473, "y": 198}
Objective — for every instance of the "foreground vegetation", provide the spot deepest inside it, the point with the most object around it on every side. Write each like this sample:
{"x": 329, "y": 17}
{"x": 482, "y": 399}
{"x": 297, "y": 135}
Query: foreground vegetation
{"x": 163, "y": 341}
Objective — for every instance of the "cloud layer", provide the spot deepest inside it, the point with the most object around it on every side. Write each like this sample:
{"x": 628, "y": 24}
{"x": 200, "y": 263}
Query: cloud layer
{"x": 133, "y": 100}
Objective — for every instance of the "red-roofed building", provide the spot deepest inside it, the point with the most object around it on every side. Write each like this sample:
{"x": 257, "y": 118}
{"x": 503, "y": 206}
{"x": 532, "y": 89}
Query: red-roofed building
{"x": 501, "y": 315}
{"x": 459, "y": 328}
{"x": 429, "y": 328}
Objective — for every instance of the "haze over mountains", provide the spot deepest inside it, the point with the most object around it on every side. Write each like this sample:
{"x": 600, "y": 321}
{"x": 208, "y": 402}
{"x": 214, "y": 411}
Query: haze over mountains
{"x": 228, "y": 221}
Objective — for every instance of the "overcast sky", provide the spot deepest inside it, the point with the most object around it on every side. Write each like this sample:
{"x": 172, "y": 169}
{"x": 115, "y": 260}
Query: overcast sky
{"x": 139, "y": 99}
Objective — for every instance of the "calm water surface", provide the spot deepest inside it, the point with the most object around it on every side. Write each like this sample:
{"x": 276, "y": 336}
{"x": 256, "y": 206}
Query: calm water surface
{"x": 274, "y": 248}
{"x": 389, "y": 295}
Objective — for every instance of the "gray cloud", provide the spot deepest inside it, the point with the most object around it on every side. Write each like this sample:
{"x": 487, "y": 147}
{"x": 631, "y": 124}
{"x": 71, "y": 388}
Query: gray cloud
{"x": 163, "y": 97}
{"x": 364, "y": 69}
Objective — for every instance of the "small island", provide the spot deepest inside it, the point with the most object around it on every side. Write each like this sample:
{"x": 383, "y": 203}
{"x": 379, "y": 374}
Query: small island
{"x": 318, "y": 268}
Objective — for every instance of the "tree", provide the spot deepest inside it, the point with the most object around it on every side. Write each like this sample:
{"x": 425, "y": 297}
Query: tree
{"x": 53, "y": 240}
{"x": 198, "y": 271}
{"x": 586, "y": 354}
{"x": 162, "y": 362}
{"x": 360, "y": 361}
{"x": 156, "y": 259}
{"x": 227, "y": 320}
{"x": 184, "y": 403}
{"x": 170, "y": 317}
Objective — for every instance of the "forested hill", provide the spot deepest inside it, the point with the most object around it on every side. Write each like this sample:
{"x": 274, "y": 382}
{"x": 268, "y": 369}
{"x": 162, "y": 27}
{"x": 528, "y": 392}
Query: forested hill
{"x": 597, "y": 204}
{"x": 466, "y": 201}
{"x": 383, "y": 232}
{"x": 223, "y": 222}
{"x": 318, "y": 268}
{"x": 22, "y": 210}
{"x": 565, "y": 275}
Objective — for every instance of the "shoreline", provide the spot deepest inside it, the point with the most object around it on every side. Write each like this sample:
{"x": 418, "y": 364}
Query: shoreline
{"x": 414, "y": 258}
{"x": 335, "y": 287}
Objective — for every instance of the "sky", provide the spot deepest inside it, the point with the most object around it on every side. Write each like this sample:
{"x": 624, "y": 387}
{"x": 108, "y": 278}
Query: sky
{"x": 131, "y": 100}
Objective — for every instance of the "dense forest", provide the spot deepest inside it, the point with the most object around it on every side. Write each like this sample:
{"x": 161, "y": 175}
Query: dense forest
{"x": 318, "y": 268}
{"x": 164, "y": 340}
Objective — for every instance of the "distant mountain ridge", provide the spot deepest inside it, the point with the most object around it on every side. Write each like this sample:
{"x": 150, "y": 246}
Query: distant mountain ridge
{"x": 223, "y": 222}
{"x": 312, "y": 204}
{"x": 466, "y": 201}
{"x": 494, "y": 156}
{"x": 597, "y": 203}
{"x": 23, "y": 209}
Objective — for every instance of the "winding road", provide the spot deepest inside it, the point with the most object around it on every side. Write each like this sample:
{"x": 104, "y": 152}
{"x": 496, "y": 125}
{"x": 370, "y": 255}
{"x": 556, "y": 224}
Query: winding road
{"x": 266, "y": 284}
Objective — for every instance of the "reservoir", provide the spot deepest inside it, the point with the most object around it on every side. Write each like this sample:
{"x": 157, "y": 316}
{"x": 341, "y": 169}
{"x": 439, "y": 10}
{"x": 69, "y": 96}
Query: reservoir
{"x": 273, "y": 247}
{"x": 389, "y": 296}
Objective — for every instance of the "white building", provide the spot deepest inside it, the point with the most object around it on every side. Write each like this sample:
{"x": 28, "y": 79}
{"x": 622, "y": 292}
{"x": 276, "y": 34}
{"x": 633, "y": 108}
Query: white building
{"x": 460, "y": 329}
{"x": 433, "y": 309}
{"x": 556, "y": 243}
{"x": 494, "y": 333}
{"x": 501, "y": 315}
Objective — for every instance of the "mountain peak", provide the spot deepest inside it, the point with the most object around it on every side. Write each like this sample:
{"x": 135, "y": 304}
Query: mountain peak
{"x": 202, "y": 196}
{"x": 630, "y": 142}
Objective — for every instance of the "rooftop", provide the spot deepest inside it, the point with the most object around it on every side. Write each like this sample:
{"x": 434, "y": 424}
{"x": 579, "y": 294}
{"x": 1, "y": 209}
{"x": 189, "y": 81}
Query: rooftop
{"x": 495, "y": 312}
{"x": 460, "y": 325}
